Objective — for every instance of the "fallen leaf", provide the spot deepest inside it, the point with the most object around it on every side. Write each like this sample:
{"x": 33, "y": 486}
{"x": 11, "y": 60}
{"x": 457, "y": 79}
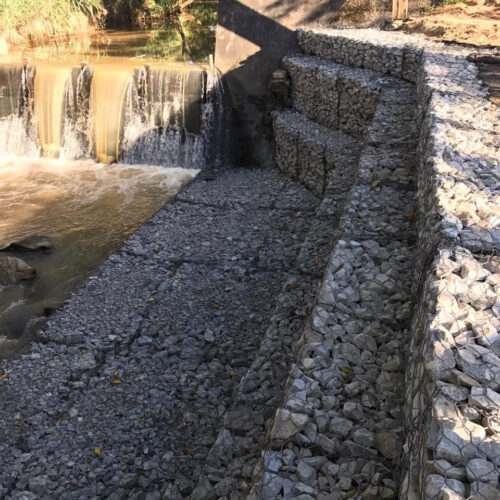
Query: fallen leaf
{"x": 115, "y": 373}
{"x": 346, "y": 369}
{"x": 215, "y": 305}
{"x": 375, "y": 183}
{"x": 232, "y": 374}
{"x": 3, "y": 377}
{"x": 139, "y": 419}
{"x": 290, "y": 286}
{"x": 409, "y": 217}
{"x": 189, "y": 451}
{"x": 338, "y": 268}
{"x": 19, "y": 424}
{"x": 151, "y": 299}
{"x": 351, "y": 493}
{"x": 97, "y": 451}
{"x": 116, "y": 381}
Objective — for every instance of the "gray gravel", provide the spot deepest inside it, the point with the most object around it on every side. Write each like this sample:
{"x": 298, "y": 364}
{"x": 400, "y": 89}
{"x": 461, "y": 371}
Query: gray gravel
{"x": 124, "y": 395}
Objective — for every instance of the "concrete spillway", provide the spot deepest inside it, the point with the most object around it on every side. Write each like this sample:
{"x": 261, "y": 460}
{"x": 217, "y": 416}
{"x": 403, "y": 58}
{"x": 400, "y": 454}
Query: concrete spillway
{"x": 61, "y": 126}
{"x": 119, "y": 112}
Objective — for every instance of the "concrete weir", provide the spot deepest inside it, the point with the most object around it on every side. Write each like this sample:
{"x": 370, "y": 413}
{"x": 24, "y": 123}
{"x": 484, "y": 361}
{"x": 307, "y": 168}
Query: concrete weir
{"x": 327, "y": 329}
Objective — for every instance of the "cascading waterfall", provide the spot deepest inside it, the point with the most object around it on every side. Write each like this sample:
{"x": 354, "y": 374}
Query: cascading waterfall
{"x": 215, "y": 113}
{"x": 50, "y": 86}
{"x": 60, "y": 127}
{"x": 17, "y": 129}
{"x": 79, "y": 140}
{"x": 163, "y": 118}
{"x": 109, "y": 87}
{"x": 156, "y": 116}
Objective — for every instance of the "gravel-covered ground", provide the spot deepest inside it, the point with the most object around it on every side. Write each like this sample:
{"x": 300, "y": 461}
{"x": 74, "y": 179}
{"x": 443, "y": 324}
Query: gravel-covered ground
{"x": 124, "y": 394}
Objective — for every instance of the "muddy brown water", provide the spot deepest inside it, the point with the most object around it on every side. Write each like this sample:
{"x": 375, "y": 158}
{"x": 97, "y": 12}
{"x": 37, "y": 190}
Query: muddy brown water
{"x": 137, "y": 99}
{"x": 86, "y": 209}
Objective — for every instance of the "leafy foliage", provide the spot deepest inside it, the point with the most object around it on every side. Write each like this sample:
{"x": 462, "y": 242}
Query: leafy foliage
{"x": 38, "y": 21}
{"x": 188, "y": 35}
{"x": 91, "y": 7}
{"x": 184, "y": 28}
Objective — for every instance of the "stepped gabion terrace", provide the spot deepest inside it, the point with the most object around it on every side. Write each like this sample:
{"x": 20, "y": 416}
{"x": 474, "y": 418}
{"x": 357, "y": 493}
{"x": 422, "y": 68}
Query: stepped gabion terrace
{"x": 328, "y": 329}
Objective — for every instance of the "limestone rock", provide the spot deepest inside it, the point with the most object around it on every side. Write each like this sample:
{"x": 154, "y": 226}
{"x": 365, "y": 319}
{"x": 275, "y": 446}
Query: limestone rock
{"x": 31, "y": 243}
{"x": 287, "y": 424}
{"x": 482, "y": 471}
{"x": 388, "y": 444}
{"x": 17, "y": 269}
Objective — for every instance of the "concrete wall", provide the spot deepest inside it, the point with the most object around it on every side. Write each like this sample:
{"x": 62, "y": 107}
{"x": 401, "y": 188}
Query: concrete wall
{"x": 252, "y": 38}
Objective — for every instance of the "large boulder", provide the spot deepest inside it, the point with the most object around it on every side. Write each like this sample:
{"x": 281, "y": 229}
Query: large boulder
{"x": 30, "y": 244}
{"x": 16, "y": 269}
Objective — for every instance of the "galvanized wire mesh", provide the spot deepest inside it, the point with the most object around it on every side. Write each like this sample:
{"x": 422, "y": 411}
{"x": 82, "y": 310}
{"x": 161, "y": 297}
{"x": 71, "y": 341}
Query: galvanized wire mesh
{"x": 452, "y": 413}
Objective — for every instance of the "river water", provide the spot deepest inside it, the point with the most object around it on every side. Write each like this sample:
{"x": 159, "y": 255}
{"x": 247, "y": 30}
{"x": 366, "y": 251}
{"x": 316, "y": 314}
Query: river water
{"x": 91, "y": 151}
{"x": 86, "y": 209}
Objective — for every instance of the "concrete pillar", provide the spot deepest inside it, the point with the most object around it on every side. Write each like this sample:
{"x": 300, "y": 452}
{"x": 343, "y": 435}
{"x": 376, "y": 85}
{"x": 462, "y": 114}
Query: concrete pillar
{"x": 252, "y": 38}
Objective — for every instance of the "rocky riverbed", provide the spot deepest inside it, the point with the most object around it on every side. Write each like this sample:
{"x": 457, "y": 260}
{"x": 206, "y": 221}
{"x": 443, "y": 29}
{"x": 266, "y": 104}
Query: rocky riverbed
{"x": 124, "y": 391}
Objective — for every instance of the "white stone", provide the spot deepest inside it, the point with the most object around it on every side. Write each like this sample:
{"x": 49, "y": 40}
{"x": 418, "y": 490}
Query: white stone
{"x": 287, "y": 424}
{"x": 485, "y": 398}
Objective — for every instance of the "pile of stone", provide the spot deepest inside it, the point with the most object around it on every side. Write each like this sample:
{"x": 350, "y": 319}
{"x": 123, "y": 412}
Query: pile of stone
{"x": 452, "y": 401}
{"x": 309, "y": 152}
{"x": 338, "y": 431}
{"x": 229, "y": 467}
{"x": 333, "y": 95}
{"x": 453, "y": 381}
{"x": 124, "y": 393}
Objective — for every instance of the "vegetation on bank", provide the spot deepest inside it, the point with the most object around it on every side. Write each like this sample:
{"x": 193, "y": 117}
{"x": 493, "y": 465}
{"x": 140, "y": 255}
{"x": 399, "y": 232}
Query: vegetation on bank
{"x": 184, "y": 29}
{"x": 146, "y": 14}
{"x": 37, "y": 22}
{"x": 187, "y": 35}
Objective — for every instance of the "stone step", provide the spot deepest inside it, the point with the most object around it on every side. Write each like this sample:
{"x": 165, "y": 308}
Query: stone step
{"x": 230, "y": 464}
{"x": 334, "y": 95}
{"x": 388, "y": 53}
{"x": 310, "y": 152}
{"x": 338, "y": 430}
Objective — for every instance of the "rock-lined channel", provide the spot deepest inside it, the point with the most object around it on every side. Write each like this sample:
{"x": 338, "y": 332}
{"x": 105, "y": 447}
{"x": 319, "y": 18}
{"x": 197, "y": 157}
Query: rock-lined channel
{"x": 124, "y": 394}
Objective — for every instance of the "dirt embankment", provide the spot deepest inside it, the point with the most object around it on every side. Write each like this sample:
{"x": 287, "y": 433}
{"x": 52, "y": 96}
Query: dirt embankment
{"x": 474, "y": 22}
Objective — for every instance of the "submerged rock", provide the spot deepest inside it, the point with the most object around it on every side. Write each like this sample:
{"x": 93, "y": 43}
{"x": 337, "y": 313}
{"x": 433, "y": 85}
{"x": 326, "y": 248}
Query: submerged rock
{"x": 30, "y": 244}
{"x": 17, "y": 269}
